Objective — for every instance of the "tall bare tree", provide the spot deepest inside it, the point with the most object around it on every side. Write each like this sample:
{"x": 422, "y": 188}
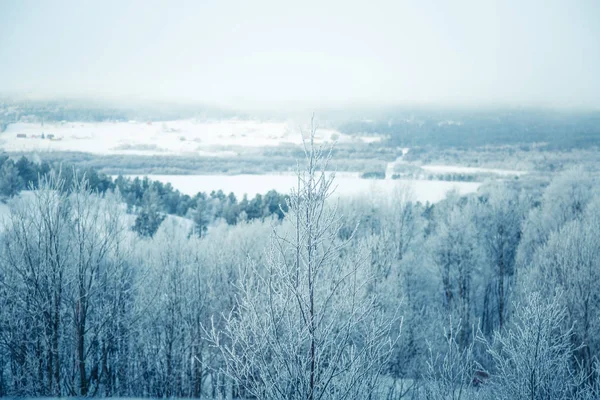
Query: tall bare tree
{"x": 36, "y": 257}
{"x": 303, "y": 326}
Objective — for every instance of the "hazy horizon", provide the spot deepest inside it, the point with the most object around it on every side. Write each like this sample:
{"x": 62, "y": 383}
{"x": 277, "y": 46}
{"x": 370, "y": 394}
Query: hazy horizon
{"x": 267, "y": 55}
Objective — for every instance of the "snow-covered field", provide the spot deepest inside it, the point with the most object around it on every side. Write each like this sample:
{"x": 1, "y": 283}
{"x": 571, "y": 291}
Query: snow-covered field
{"x": 346, "y": 184}
{"x": 180, "y": 137}
{"x": 455, "y": 169}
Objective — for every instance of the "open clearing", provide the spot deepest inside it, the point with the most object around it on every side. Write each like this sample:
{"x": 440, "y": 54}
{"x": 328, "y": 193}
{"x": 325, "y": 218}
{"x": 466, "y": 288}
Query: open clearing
{"x": 180, "y": 137}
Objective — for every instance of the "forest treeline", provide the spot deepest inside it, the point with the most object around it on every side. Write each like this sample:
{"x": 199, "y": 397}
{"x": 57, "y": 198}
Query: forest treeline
{"x": 15, "y": 110}
{"x": 472, "y": 128}
{"x": 150, "y": 200}
{"x": 402, "y": 126}
{"x": 491, "y": 295}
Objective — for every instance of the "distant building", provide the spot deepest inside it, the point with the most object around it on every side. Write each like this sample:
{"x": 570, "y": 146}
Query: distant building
{"x": 50, "y": 136}
{"x": 21, "y": 135}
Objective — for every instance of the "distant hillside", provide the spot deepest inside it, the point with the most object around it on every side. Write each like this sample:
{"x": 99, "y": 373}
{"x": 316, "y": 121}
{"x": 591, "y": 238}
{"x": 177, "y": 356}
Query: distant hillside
{"x": 465, "y": 129}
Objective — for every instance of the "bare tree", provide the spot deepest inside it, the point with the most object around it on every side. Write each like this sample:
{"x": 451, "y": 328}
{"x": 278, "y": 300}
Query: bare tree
{"x": 96, "y": 229}
{"x": 304, "y": 327}
{"x": 451, "y": 371}
{"x": 533, "y": 358}
{"x": 456, "y": 253}
{"x": 36, "y": 259}
{"x": 563, "y": 200}
{"x": 500, "y": 219}
{"x": 569, "y": 262}
{"x": 62, "y": 283}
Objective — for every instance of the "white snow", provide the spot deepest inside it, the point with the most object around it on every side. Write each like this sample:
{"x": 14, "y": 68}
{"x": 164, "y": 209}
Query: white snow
{"x": 450, "y": 122}
{"x": 389, "y": 169}
{"x": 371, "y": 139}
{"x": 346, "y": 185}
{"x": 180, "y": 137}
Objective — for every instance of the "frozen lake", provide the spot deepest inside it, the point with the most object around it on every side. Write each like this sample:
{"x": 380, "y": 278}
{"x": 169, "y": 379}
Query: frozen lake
{"x": 347, "y": 184}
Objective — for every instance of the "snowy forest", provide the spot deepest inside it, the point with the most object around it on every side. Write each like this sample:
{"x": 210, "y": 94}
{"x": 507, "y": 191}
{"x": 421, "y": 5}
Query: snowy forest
{"x": 488, "y": 295}
{"x": 175, "y": 225}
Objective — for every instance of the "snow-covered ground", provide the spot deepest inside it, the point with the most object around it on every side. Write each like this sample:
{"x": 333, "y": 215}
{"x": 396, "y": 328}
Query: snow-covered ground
{"x": 455, "y": 169}
{"x": 180, "y": 137}
{"x": 346, "y": 185}
{"x": 389, "y": 169}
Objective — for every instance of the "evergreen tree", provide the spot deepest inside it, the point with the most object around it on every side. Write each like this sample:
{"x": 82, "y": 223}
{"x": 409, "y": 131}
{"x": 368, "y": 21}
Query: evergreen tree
{"x": 10, "y": 181}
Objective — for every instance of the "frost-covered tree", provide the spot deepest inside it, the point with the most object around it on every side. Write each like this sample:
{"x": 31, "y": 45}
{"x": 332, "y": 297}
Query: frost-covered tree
{"x": 570, "y": 263}
{"x": 563, "y": 200}
{"x": 533, "y": 358}
{"x": 149, "y": 218}
{"x": 96, "y": 229}
{"x": 452, "y": 370}
{"x": 303, "y": 326}
{"x": 456, "y": 254}
{"x": 10, "y": 181}
{"x": 176, "y": 302}
{"x": 499, "y": 220}
{"x": 396, "y": 233}
{"x": 63, "y": 278}
{"x": 36, "y": 259}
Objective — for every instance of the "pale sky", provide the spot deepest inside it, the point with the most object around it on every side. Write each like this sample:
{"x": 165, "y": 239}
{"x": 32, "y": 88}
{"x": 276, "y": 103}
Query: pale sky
{"x": 312, "y": 53}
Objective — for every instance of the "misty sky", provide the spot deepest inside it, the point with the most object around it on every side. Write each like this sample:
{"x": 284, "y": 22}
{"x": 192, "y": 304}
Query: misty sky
{"x": 321, "y": 53}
